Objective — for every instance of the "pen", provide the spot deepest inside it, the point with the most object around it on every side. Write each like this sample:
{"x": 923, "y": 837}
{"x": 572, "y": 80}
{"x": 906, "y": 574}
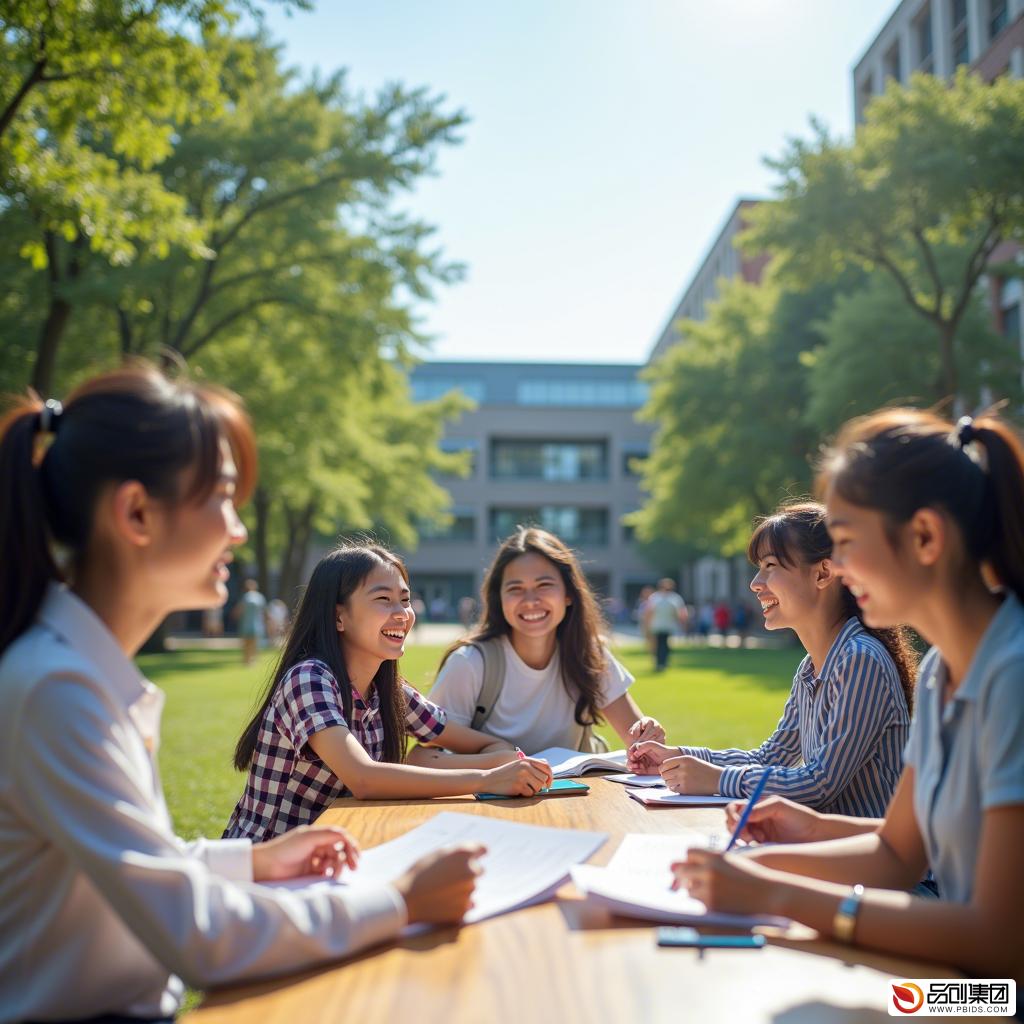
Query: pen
{"x": 754, "y": 797}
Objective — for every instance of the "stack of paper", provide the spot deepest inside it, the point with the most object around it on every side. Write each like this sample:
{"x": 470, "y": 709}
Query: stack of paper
{"x": 638, "y": 883}
{"x": 666, "y": 798}
{"x": 567, "y": 764}
{"x": 524, "y": 864}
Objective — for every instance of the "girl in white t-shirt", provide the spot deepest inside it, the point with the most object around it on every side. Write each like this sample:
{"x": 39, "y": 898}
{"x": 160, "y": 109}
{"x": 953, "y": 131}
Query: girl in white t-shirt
{"x": 540, "y": 621}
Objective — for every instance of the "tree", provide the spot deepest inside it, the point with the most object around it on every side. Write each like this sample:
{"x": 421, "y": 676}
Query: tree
{"x": 728, "y": 400}
{"x": 934, "y": 169}
{"x": 874, "y": 352}
{"x": 91, "y": 95}
{"x": 291, "y": 188}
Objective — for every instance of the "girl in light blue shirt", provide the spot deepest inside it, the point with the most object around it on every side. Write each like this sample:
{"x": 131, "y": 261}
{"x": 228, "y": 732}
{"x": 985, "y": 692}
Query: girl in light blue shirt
{"x": 927, "y": 520}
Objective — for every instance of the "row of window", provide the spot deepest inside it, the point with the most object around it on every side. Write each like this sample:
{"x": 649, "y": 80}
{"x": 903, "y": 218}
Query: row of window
{"x": 996, "y": 17}
{"x": 629, "y": 394}
{"x": 562, "y": 461}
{"x": 575, "y": 525}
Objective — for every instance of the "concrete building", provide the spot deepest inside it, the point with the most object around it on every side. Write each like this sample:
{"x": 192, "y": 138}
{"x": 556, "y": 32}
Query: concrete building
{"x": 551, "y": 444}
{"x": 937, "y": 36}
{"x": 723, "y": 260}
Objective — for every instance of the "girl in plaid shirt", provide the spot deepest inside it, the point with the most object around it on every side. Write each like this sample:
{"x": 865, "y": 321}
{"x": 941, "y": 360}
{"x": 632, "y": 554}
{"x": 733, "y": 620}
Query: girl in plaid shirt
{"x": 336, "y": 715}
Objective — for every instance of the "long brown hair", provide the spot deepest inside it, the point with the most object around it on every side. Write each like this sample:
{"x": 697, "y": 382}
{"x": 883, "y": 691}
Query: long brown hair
{"x": 796, "y": 534}
{"x": 900, "y": 460}
{"x": 130, "y": 424}
{"x": 578, "y": 635}
{"x": 314, "y": 634}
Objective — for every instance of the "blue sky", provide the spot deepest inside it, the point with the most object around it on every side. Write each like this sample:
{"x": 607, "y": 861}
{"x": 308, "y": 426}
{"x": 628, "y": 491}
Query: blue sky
{"x": 608, "y": 141}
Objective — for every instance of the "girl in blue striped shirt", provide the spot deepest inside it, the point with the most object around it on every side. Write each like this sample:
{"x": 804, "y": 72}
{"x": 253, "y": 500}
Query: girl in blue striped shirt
{"x": 839, "y": 744}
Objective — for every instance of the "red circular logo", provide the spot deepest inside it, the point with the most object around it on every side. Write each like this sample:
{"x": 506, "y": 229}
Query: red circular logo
{"x": 908, "y": 997}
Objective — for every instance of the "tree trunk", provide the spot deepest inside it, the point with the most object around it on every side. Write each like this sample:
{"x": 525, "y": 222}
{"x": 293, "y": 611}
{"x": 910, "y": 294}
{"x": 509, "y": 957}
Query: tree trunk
{"x": 261, "y": 507}
{"x": 300, "y": 532}
{"x": 46, "y": 348}
{"x": 949, "y": 381}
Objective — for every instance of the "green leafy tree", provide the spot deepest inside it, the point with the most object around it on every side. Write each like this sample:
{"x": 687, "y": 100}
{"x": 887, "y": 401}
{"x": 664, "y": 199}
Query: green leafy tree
{"x": 91, "y": 95}
{"x": 728, "y": 401}
{"x": 874, "y": 352}
{"x": 934, "y": 169}
{"x": 291, "y": 186}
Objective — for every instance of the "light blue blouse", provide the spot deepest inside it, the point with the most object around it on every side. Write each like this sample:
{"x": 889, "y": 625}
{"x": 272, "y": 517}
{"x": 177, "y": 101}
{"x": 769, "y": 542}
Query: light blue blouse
{"x": 969, "y": 755}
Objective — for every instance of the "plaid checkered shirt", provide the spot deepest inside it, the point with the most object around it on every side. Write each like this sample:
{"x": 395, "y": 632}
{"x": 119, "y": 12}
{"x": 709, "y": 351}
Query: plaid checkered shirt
{"x": 288, "y": 784}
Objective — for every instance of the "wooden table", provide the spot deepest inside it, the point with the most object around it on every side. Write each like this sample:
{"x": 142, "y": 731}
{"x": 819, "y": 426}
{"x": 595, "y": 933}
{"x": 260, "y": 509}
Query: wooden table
{"x": 566, "y": 961}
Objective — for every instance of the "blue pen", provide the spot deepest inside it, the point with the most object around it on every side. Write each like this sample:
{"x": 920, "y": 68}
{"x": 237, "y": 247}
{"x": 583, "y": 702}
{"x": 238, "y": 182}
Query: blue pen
{"x": 754, "y": 797}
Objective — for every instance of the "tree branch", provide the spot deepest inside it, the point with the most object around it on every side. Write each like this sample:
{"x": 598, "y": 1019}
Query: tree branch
{"x": 229, "y": 318}
{"x": 34, "y": 78}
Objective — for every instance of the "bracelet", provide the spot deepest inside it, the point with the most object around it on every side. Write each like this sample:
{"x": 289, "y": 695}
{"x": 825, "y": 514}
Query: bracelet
{"x": 845, "y": 920}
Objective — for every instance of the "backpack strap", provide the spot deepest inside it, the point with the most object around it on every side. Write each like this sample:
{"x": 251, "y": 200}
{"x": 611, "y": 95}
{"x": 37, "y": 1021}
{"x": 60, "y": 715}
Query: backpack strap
{"x": 494, "y": 678}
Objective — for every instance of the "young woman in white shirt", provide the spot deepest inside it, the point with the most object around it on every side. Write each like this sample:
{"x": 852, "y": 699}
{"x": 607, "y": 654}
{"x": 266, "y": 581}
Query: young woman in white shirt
{"x": 103, "y": 909}
{"x": 926, "y": 520}
{"x": 541, "y": 620}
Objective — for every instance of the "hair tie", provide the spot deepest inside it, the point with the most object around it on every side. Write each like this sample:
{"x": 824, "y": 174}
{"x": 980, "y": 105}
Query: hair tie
{"x": 965, "y": 431}
{"x": 50, "y": 415}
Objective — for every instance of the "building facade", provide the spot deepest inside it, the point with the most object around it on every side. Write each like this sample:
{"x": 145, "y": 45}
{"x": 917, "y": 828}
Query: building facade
{"x": 550, "y": 444}
{"x": 722, "y": 261}
{"x": 936, "y": 37}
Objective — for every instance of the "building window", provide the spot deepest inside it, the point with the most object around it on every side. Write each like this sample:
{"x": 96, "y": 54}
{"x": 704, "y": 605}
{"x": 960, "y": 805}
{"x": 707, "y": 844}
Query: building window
{"x": 574, "y": 525}
{"x": 997, "y": 17}
{"x": 461, "y": 528}
{"x": 961, "y": 50}
{"x": 427, "y": 389}
{"x": 893, "y": 69}
{"x": 549, "y": 460}
{"x": 1011, "y": 322}
{"x": 628, "y": 394}
{"x": 923, "y": 30}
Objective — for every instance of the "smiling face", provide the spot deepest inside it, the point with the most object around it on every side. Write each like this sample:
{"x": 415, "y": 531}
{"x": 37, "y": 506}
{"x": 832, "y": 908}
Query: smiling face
{"x": 533, "y": 596}
{"x": 192, "y": 543}
{"x": 788, "y": 594}
{"x": 375, "y": 620}
{"x": 871, "y": 566}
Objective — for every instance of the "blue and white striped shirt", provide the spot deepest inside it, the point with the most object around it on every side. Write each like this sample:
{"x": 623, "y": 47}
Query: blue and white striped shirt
{"x": 839, "y": 744}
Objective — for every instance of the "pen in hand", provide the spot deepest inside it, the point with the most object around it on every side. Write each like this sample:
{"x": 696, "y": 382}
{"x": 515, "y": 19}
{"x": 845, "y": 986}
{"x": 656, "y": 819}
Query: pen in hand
{"x": 754, "y": 797}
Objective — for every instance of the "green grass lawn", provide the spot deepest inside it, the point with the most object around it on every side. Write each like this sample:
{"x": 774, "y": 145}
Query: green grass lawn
{"x": 712, "y": 697}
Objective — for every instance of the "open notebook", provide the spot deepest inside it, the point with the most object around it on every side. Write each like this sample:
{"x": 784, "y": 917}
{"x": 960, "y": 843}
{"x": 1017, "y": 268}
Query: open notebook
{"x": 567, "y": 764}
{"x": 638, "y": 883}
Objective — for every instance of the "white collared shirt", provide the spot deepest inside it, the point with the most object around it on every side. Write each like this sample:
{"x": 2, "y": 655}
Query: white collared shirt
{"x": 102, "y": 908}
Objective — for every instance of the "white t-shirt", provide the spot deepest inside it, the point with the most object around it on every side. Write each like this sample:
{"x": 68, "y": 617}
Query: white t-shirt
{"x": 664, "y": 606}
{"x": 533, "y": 709}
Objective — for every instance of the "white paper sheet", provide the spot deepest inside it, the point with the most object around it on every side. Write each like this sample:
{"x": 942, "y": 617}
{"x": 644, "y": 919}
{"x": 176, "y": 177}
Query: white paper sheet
{"x": 643, "y": 781}
{"x": 523, "y": 864}
{"x": 566, "y": 764}
{"x": 666, "y": 798}
{"x": 637, "y": 883}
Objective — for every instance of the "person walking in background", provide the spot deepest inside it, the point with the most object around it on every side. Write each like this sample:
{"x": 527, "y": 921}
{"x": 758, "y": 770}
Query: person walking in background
{"x": 250, "y": 613}
{"x": 665, "y": 612}
{"x": 723, "y": 617}
{"x": 640, "y": 615}
{"x": 277, "y": 621}
{"x": 705, "y": 619}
